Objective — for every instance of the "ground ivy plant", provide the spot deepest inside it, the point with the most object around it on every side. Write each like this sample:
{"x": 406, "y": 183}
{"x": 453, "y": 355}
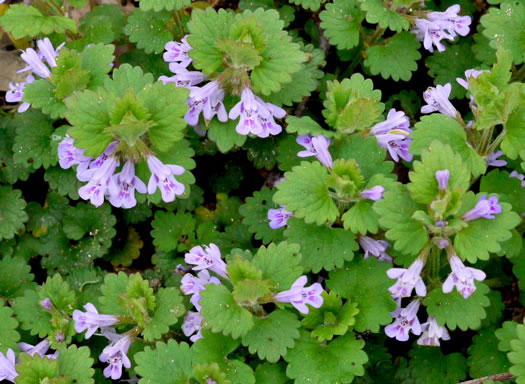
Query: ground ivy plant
{"x": 262, "y": 191}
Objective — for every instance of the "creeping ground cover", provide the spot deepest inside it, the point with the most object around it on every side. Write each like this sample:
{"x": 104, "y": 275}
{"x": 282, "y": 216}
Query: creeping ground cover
{"x": 262, "y": 191}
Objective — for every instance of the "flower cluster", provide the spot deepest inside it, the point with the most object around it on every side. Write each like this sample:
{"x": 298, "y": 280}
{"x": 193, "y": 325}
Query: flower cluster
{"x": 39, "y": 63}
{"x": 115, "y": 354}
{"x": 119, "y": 188}
{"x": 441, "y": 25}
{"x": 205, "y": 260}
{"x": 255, "y": 115}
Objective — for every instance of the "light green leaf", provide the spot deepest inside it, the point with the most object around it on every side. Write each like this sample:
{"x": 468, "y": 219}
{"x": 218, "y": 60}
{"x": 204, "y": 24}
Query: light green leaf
{"x": 222, "y": 314}
{"x": 365, "y": 282}
{"x": 279, "y": 264}
{"x": 517, "y": 355}
{"x": 447, "y": 130}
{"x": 75, "y": 364}
{"x": 506, "y": 334}
{"x": 8, "y": 325}
{"x": 396, "y": 59}
{"x": 341, "y": 21}
{"x": 225, "y": 135}
{"x": 168, "y": 309}
{"x": 378, "y": 12}
{"x": 454, "y": 311}
{"x": 305, "y": 193}
{"x": 322, "y": 247}
{"x": 483, "y": 236}
{"x": 169, "y": 229}
{"x": 514, "y": 141}
{"x": 169, "y": 363}
{"x": 158, "y": 5}
{"x": 12, "y": 212}
{"x": 272, "y": 336}
{"x": 336, "y": 362}
{"x": 305, "y": 125}
{"x": 312, "y": 5}
{"x": 27, "y": 21}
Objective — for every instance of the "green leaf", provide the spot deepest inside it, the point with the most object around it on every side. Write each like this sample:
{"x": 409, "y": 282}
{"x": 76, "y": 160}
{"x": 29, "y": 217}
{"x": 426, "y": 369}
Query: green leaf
{"x": 484, "y": 357}
{"x": 446, "y": 66}
{"x": 333, "y": 318}
{"x": 517, "y": 355}
{"x": 272, "y": 336}
{"x": 225, "y": 135}
{"x": 168, "y": 309}
{"x": 94, "y": 26}
{"x": 305, "y": 125}
{"x": 255, "y": 216}
{"x": 222, "y": 314}
{"x": 514, "y": 140}
{"x": 304, "y": 82}
{"x": 113, "y": 291}
{"x": 10, "y": 172}
{"x": 509, "y": 189}
{"x": 36, "y": 142}
{"x": 396, "y": 59}
{"x": 35, "y": 370}
{"x": 395, "y": 211}
{"x": 312, "y": 5}
{"x": 267, "y": 373}
{"x": 305, "y": 193}
{"x": 361, "y": 218}
{"x": 505, "y": 27}
{"x": 352, "y": 104}
{"x": 127, "y": 77}
{"x": 12, "y": 212}
{"x": 31, "y": 316}
{"x": 447, "y": 130}
{"x": 378, "y": 12}
{"x": 169, "y": 363}
{"x": 149, "y": 30}
{"x": 424, "y": 187}
{"x": 365, "y": 282}
{"x": 483, "y": 236}
{"x": 341, "y": 21}
{"x": 454, "y": 311}
{"x": 366, "y": 151}
{"x": 15, "y": 276}
{"x": 130, "y": 249}
{"x": 63, "y": 181}
{"x": 322, "y": 247}
{"x": 429, "y": 366}
{"x": 336, "y": 362}
{"x": 280, "y": 264}
{"x": 158, "y": 5}
{"x": 169, "y": 229}
{"x": 506, "y": 334}
{"x": 75, "y": 364}
{"x": 27, "y": 21}
{"x": 8, "y": 326}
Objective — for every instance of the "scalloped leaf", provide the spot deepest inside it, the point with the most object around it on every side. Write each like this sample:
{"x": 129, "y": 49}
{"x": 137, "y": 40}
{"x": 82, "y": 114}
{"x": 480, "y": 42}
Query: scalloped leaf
{"x": 149, "y": 30}
{"x": 341, "y": 21}
{"x": 280, "y": 264}
{"x": 158, "y": 5}
{"x": 378, "y": 12}
{"x": 12, "y": 212}
{"x": 8, "y": 326}
{"x": 484, "y": 357}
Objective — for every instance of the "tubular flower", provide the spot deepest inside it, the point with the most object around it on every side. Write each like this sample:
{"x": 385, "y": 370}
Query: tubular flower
{"x": 462, "y": 277}
{"x": 278, "y": 217}
{"x": 91, "y": 320}
{"x": 207, "y": 258}
{"x": 316, "y": 146}
{"x": 407, "y": 280}
{"x": 484, "y": 208}
{"x": 299, "y": 296}
{"x": 405, "y": 321}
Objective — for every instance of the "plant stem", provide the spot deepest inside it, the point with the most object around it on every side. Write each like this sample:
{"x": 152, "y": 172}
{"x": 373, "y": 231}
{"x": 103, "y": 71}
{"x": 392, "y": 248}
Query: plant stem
{"x": 498, "y": 377}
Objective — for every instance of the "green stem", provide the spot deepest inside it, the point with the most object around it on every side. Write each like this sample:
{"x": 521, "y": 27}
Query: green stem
{"x": 496, "y": 142}
{"x": 378, "y": 32}
{"x": 485, "y": 140}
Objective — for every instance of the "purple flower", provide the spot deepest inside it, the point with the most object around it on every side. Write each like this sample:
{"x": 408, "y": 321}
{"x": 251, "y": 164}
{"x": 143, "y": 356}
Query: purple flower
{"x": 431, "y": 33}
{"x": 91, "y": 320}
{"x": 207, "y": 100}
{"x": 469, "y": 73}
{"x": 278, "y": 217}
{"x": 462, "y": 277}
{"x": 35, "y": 61}
{"x": 207, "y": 258}
{"x": 70, "y": 155}
{"x": 375, "y": 247}
{"x": 484, "y": 208}
{"x": 162, "y": 178}
{"x": 192, "y": 325}
{"x": 437, "y": 100}
{"x": 405, "y": 321}
{"x": 316, "y": 146}
{"x": 16, "y": 93}
{"x": 192, "y": 285}
{"x": 442, "y": 179}
{"x": 394, "y": 135}
{"x": 46, "y": 304}
{"x": 518, "y": 176}
{"x": 299, "y": 296}
{"x": 127, "y": 182}
{"x": 375, "y": 193}
{"x": 407, "y": 280}
{"x": 450, "y": 21}
{"x": 115, "y": 354}
{"x": 256, "y": 116}
{"x": 177, "y": 52}
{"x": 40, "y": 349}
{"x": 7, "y": 366}
{"x": 492, "y": 159}
{"x": 432, "y": 332}
{"x": 101, "y": 182}
{"x": 184, "y": 79}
